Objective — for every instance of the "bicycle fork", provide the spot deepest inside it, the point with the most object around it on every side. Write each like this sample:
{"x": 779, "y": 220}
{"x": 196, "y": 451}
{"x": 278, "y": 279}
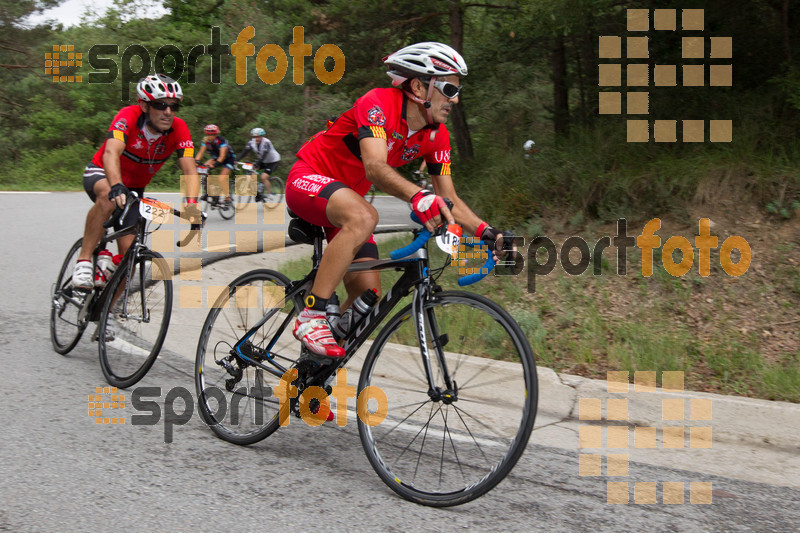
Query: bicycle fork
{"x": 426, "y": 324}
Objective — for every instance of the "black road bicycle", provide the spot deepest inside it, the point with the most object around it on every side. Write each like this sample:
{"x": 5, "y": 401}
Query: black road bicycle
{"x": 456, "y": 371}
{"x": 132, "y": 310}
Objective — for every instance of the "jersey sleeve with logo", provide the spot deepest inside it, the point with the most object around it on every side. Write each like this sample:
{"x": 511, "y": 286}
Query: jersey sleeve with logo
{"x": 375, "y": 115}
{"x": 438, "y": 158}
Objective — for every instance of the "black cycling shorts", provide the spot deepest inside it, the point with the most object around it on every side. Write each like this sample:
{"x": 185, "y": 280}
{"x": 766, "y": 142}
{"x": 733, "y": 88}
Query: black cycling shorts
{"x": 91, "y": 175}
{"x": 269, "y": 168}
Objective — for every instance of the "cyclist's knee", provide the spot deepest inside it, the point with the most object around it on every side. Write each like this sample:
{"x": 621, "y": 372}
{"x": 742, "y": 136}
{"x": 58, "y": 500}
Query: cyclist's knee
{"x": 105, "y": 205}
{"x": 362, "y": 219}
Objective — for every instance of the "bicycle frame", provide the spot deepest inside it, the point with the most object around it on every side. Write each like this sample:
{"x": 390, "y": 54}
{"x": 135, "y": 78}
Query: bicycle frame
{"x": 92, "y": 306}
{"x": 414, "y": 278}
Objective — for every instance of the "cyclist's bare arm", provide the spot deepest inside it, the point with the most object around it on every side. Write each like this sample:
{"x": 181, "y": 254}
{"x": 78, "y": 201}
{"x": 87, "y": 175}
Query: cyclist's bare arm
{"x": 111, "y": 165}
{"x": 189, "y": 172}
{"x": 379, "y": 172}
{"x": 443, "y": 186}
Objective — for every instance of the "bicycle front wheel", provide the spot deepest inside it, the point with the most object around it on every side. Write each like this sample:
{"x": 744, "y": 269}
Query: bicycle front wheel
{"x": 135, "y": 319}
{"x": 453, "y": 443}
{"x": 65, "y": 325}
{"x": 234, "y": 396}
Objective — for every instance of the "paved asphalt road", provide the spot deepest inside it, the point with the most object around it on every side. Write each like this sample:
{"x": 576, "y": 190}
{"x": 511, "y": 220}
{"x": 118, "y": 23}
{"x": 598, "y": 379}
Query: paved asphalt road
{"x": 61, "y": 472}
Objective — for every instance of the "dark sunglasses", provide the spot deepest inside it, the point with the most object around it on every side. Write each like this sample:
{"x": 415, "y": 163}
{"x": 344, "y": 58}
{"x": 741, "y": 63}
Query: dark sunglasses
{"x": 162, "y": 106}
{"x": 450, "y": 90}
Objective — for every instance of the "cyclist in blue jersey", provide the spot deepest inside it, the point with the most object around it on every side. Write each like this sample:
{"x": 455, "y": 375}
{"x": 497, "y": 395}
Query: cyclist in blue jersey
{"x": 221, "y": 156}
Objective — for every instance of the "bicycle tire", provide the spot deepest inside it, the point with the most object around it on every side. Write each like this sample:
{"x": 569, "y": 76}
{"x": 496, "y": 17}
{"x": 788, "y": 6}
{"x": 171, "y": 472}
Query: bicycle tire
{"x": 66, "y": 331}
{"x": 244, "y": 190}
{"x": 274, "y": 197}
{"x": 226, "y": 209}
{"x": 238, "y": 308}
{"x": 472, "y": 442}
{"x": 139, "y": 335}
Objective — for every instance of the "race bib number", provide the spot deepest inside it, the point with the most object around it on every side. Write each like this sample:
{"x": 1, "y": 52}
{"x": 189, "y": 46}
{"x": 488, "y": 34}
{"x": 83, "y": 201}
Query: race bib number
{"x": 152, "y": 209}
{"x": 449, "y": 241}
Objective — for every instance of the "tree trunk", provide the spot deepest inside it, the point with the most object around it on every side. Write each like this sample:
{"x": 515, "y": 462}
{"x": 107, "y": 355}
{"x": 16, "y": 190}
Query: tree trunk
{"x": 787, "y": 47}
{"x": 590, "y": 68}
{"x": 458, "y": 115}
{"x": 558, "y": 60}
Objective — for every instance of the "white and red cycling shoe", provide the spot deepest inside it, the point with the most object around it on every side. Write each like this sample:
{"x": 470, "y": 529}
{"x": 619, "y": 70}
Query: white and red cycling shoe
{"x": 313, "y": 330}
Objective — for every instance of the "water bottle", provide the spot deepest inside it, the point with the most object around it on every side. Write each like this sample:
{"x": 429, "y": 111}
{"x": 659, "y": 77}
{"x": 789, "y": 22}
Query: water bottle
{"x": 356, "y": 313}
{"x": 332, "y": 311}
{"x": 105, "y": 266}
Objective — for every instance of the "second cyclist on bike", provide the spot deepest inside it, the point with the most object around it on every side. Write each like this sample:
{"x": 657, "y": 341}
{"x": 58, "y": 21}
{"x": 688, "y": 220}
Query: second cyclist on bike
{"x": 140, "y": 139}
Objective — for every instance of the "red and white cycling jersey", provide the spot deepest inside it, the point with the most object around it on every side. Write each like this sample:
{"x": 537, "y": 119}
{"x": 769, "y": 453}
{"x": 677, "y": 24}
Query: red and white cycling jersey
{"x": 380, "y": 113}
{"x": 142, "y": 158}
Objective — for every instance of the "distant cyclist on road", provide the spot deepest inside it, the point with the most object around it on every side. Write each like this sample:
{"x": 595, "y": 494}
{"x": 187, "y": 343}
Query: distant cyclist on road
{"x": 385, "y": 128}
{"x": 267, "y": 157}
{"x": 221, "y": 156}
{"x": 140, "y": 139}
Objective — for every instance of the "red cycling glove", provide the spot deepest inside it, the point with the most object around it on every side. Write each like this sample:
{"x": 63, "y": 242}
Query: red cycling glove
{"x": 426, "y": 205}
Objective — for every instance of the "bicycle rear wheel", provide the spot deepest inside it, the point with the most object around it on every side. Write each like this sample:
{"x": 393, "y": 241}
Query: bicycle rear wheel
{"x": 65, "y": 327}
{"x": 449, "y": 445}
{"x": 234, "y": 396}
{"x": 134, "y": 323}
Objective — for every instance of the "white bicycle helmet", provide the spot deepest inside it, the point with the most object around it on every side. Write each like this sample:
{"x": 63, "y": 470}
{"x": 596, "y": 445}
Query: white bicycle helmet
{"x": 528, "y": 145}
{"x": 158, "y": 86}
{"x": 257, "y": 131}
{"x": 424, "y": 60}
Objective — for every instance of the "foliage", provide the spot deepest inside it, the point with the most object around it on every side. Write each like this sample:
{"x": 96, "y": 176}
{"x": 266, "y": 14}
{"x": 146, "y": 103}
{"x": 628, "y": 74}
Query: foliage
{"x": 588, "y": 167}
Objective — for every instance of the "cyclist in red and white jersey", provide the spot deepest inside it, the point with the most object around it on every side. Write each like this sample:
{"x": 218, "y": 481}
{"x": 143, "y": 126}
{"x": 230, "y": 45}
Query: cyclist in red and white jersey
{"x": 386, "y": 128}
{"x": 140, "y": 139}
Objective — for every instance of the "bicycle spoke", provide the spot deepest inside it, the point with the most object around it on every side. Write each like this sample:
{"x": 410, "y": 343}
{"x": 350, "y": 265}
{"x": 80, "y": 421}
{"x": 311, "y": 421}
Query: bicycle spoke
{"x": 244, "y": 385}
{"x": 474, "y": 431}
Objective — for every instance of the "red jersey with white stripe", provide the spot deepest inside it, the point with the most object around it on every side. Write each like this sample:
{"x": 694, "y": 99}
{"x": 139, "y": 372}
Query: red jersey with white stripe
{"x": 380, "y": 113}
{"x": 143, "y": 157}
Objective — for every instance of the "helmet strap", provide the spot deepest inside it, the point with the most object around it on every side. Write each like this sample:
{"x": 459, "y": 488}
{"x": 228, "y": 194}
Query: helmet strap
{"x": 428, "y": 107}
{"x": 426, "y": 103}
